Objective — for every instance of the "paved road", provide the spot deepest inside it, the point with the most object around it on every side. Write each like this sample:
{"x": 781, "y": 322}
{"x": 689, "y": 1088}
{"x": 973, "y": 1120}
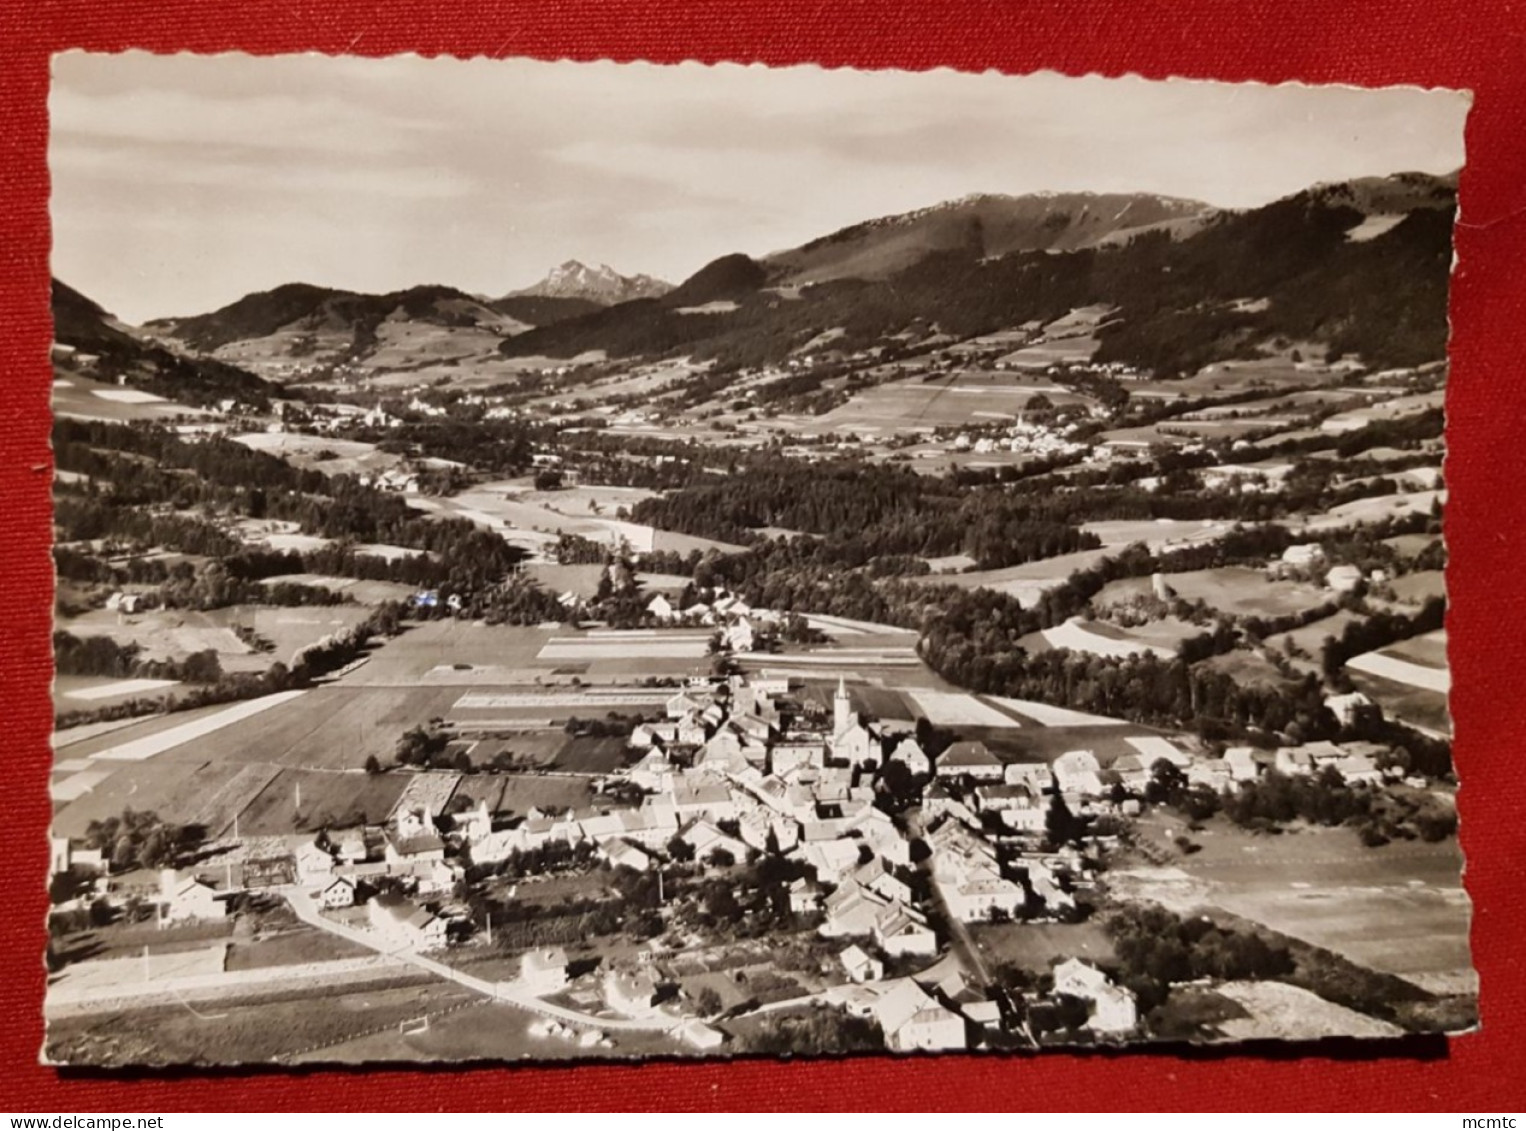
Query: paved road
{"x": 962, "y": 946}
{"x": 507, "y": 992}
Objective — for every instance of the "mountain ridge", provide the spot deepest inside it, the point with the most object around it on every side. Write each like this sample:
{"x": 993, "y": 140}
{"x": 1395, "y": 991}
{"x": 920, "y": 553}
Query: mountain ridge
{"x": 1193, "y": 285}
{"x": 602, "y": 284}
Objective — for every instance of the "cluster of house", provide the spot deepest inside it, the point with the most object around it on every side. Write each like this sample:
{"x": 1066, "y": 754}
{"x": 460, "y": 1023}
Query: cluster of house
{"x": 738, "y": 622}
{"x": 938, "y": 1009}
{"x": 1025, "y": 436}
{"x": 1306, "y": 560}
{"x": 727, "y": 774}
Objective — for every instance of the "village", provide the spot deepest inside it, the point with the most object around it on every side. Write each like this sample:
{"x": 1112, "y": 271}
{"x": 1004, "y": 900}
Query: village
{"x": 883, "y": 854}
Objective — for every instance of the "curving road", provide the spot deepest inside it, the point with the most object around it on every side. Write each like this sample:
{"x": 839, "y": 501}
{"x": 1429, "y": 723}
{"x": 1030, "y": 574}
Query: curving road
{"x": 509, "y": 993}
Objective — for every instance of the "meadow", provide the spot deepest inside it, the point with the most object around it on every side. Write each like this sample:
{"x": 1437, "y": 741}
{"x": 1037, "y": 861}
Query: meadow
{"x": 1232, "y": 590}
{"x": 1394, "y": 909}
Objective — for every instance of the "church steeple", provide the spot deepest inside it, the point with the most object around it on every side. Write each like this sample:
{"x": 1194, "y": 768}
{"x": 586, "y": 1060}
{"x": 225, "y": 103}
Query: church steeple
{"x": 842, "y": 708}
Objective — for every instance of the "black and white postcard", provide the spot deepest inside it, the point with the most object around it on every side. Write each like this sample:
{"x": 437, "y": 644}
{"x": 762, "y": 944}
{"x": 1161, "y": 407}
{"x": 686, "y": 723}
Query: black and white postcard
{"x": 591, "y": 561}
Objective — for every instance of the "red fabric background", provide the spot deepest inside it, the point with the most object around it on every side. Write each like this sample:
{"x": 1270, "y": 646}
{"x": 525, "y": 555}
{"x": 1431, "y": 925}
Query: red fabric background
{"x": 1480, "y": 45}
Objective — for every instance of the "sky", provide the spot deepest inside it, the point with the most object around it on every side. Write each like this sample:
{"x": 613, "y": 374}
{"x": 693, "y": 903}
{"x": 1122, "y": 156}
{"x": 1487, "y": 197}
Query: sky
{"x": 183, "y": 182}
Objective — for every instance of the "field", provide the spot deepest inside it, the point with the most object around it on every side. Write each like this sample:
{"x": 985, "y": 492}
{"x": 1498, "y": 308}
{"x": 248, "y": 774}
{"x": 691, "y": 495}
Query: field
{"x": 1311, "y": 637}
{"x": 286, "y": 1030}
{"x": 1045, "y": 715}
{"x": 343, "y": 457}
{"x": 1429, "y": 650}
{"x": 173, "y": 634}
{"x": 534, "y": 519}
{"x": 1377, "y": 508}
{"x": 1388, "y": 409}
{"x": 293, "y": 947}
{"x": 1098, "y": 638}
{"x": 1417, "y": 588}
{"x": 968, "y": 397}
{"x": 1249, "y": 669}
{"x": 80, "y": 398}
{"x": 952, "y": 709}
{"x": 1027, "y": 582}
{"x": 1399, "y": 909}
{"x": 162, "y": 634}
{"x": 136, "y": 749}
{"x": 1234, "y": 590}
{"x": 1420, "y": 664}
{"x": 302, "y": 800}
{"x": 1421, "y": 707}
{"x": 80, "y": 692}
{"x": 363, "y": 592}
{"x": 262, "y": 752}
{"x": 635, "y": 645}
{"x": 1158, "y": 534}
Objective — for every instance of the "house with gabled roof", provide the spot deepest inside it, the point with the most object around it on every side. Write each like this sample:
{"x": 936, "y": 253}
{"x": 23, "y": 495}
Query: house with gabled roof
{"x": 971, "y": 759}
{"x": 860, "y": 965}
{"x": 1242, "y": 764}
{"x": 407, "y": 924}
{"x": 682, "y": 704}
{"x": 190, "y": 899}
{"x": 900, "y": 930}
{"x": 1113, "y": 1008}
{"x": 850, "y": 911}
{"x": 912, "y": 1021}
{"x": 880, "y": 833}
{"x": 622, "y": 854}
{"x": 705, "y": 838}
{"x": 338, "y": 893}
{"x": 1078, "y": 775}
{"x": 937, "y": 802}
{"x": 544, "y": 970}
{"x": 1037, "y": 776}
{"x": 632, "y": 992}
{"x": 412, "y": 837}
{"x": 878, "y": 877}
{"x": 805, "y": 896}
{"x": 691, "y": 799}
{"x": 909, "y": 753}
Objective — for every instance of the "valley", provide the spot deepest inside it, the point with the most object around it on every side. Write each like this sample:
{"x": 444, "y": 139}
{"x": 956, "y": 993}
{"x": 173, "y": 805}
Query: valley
{"x": 822, "y": 642}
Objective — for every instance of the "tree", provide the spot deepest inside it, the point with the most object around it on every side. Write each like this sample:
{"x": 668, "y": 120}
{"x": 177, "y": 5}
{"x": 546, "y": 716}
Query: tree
{"x": 708, "y": 1002}
{"x": 680, "y": 850}
{"x": 373, "y": 765}
{"x": 1061, "y": 826}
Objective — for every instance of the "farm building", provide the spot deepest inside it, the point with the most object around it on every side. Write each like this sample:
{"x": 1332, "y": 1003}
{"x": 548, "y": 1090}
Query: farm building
{"x": 190, "y": 899}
